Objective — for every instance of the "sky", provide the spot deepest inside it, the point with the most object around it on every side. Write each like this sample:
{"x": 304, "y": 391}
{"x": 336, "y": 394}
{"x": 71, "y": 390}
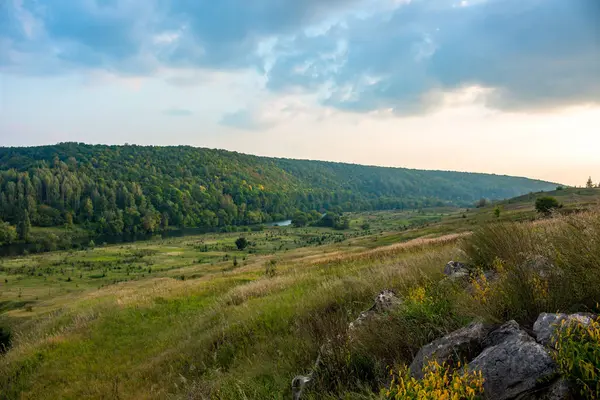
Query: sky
{"x": 500, "y": 86}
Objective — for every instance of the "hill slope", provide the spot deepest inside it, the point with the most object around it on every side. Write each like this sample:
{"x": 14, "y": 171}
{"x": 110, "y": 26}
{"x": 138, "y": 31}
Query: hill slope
{"x": 133, "y": 188}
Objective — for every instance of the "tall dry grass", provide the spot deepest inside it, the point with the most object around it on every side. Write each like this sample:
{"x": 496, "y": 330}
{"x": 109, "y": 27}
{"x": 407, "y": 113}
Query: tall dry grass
{"x": 546, "y": 266}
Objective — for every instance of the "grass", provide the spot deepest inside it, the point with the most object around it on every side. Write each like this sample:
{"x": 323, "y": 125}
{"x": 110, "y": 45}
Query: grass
{"x": 176, "y": 319}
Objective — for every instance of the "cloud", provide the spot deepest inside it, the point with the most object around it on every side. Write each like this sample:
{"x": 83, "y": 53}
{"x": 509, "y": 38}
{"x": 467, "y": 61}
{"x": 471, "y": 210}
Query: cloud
{"x": 534, "y": 54}
{"x": 355, "y": 55}
{"x": 178, "y": 112}
{"x": 245, "y": 119}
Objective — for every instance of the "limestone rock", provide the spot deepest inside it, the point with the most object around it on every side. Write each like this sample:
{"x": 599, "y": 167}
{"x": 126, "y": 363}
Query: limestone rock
{"x": 558, "y": 390}
{"x": 456, "y": 270}
{"x": 546, "y": 324}
{"x": 514, "y": 365}
{"x": 385, "y": 301}
{"x": 464, "y": 343}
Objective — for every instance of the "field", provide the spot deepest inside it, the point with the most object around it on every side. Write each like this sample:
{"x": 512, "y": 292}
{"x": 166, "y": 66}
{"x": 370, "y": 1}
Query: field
{"x": 195, "y": 317}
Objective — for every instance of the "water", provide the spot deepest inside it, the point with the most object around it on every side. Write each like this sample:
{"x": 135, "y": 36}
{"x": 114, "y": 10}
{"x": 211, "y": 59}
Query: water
{"x": 286, "y": 222}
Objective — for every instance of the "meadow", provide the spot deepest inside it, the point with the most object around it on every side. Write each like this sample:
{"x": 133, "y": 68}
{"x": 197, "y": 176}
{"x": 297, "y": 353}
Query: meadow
{"x": 194, "y": 317}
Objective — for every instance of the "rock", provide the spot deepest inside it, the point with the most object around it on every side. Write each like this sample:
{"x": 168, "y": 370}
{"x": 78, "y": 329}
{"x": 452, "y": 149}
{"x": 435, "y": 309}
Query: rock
{"x": 546, "y": 324}
{"x": 462, "y": 344}
{"x": 558, "y": 390}
{"x": 540, "y": 264}
{"x": 514, "y": 365}
{"x": 455, "y": 270}
{"x": 498, "y": 336}
{"x": 385, "y": 301}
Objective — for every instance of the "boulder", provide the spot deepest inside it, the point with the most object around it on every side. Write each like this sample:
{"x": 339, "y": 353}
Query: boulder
{"x": 558, "y": 390}
{"x": 463, "y": 344}
{"x": 546, "y": 324}
{"x": 514, "y": 365}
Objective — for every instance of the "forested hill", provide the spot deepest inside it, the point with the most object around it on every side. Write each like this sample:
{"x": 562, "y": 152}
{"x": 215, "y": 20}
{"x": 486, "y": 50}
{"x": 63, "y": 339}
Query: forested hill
{"x": 118, "y": 189}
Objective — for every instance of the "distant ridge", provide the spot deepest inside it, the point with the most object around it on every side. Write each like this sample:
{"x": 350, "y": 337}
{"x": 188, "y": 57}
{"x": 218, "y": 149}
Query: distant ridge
{"x": 135, "y": 188}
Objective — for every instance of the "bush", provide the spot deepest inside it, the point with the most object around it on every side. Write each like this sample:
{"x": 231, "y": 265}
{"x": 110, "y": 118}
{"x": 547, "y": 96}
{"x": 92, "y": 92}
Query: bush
{"x": 439, "y": 382}
{"x": 545, "y": 205}
{"x": 270, "y": 268}
{"x": 241, "y": 243}
{"x": 578, "y": 356}
{"x": 5, "y": 339}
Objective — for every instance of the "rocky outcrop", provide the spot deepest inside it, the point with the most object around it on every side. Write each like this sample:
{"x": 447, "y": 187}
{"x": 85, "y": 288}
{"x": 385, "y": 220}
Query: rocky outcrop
{"x": 514, "y": 365}
{"x": 463, "y": 344}
{"x": 546, "y": 325}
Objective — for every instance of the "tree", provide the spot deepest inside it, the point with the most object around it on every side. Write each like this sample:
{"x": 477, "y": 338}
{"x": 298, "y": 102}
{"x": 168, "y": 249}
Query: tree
{"x": 7, "y": 233}
{"x": 481, "y": 203}
{"x": 590, "y": 183}
{"x": 300, "y": 219}
{"x": 241, "y": 243}
{"x": 545, "y": 205}
{"x": 497, "y": 212}
{"x": 24, "y": 226}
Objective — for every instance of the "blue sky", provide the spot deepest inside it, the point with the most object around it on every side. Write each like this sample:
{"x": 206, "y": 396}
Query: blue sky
{"x": 505, "y": 86}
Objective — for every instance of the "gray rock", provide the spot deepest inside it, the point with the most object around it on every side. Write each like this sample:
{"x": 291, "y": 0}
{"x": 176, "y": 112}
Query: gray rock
{"x": 455, "y": 269}
{"x": 464, "y": 343}
{"x": 546, "y": 325}
{"x": 558, "y": 390}
{"x": 508, "y": 330}
{"x": 514, "y": 366}
{"x": 385, "y": 301}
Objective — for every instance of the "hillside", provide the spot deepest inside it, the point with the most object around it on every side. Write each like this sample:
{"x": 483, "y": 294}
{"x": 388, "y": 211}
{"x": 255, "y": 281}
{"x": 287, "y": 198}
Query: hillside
{"x": 116, "y": 189}
{"x": 196, "y": 317}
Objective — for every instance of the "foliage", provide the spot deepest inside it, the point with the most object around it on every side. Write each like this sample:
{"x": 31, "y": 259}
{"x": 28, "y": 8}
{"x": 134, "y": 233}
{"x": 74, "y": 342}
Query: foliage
{"x": 271, "y": 268}
{"x": 549, "y": 265}
{"x": 545, "y": 205}
{"x": 589, "y": 184}
{"x": 439, "y": 382}
{"x": 8, "y": 233}
{"x": 241, "y": 243}
{"x": 131, "y": 189}
{"x": 497, "y": 212}
{"x": 578, "y": 355}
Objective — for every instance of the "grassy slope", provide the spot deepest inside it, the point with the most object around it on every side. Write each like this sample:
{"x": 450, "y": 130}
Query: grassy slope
{"x": 196, "y": 325}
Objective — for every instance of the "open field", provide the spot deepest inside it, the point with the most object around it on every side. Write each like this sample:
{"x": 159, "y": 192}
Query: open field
{"x": 194, "y": 317}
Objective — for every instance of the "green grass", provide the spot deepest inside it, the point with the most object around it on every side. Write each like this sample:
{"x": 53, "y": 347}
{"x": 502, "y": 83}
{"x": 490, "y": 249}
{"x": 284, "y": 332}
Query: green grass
{"x": 175, "y": 318}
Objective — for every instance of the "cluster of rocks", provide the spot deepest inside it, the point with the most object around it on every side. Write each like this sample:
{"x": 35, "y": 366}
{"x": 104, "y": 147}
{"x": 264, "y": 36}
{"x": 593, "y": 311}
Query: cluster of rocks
{"x": 514, "y": 363}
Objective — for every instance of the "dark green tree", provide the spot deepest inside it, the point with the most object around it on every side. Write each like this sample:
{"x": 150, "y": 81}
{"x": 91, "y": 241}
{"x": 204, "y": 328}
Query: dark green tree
{"x": 241, "y": 243}
{"x": 24, "y": 226}
{"x": 545, "y": 205}
{"x": 589, "y": 184}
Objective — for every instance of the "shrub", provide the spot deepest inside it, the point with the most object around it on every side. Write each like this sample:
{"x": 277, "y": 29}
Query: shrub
{"x": 271, "y": 268}
{"x": 241, "y": 243}
{"x": 578, "y": 356}
{"x": 5, "y": 339}
{"x": 439, "y": 382}
{"x": 545, "y": 205}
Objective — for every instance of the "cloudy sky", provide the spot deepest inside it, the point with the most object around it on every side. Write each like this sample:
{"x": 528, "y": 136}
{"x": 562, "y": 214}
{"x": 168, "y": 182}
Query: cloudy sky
{"x": 503, "y": 86}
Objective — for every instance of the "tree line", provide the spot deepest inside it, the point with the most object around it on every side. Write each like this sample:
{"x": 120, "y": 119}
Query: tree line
{"x": 128, "y": 189}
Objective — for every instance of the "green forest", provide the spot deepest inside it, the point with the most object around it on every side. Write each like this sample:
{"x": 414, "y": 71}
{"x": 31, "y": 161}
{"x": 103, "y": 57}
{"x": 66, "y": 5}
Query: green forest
{"x": 128, "y": 189}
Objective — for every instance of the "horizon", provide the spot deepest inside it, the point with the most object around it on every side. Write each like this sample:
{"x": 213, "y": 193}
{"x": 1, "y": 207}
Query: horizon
{"x": 391, "y": 83}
